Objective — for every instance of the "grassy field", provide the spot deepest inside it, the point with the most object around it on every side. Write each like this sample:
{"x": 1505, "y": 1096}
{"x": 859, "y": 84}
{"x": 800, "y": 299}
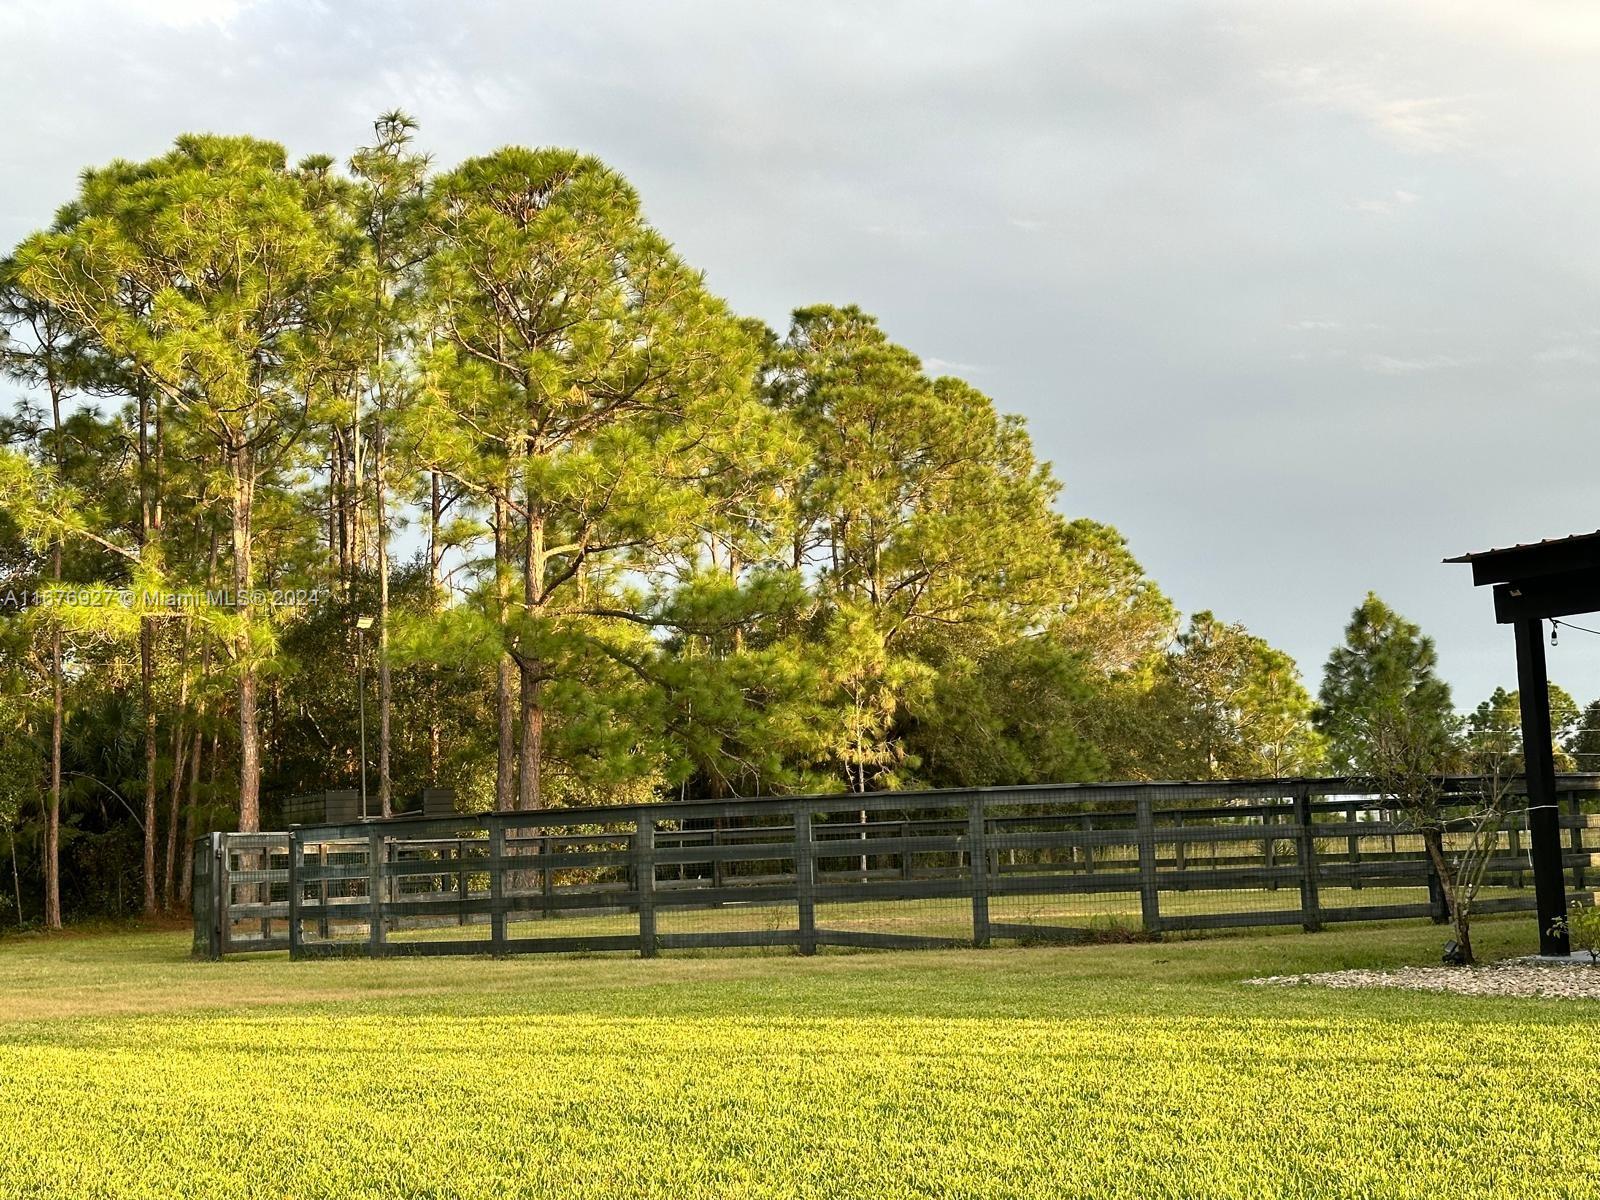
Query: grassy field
{"x": 949, "y": 918}
{"x": 1143, "y": 1070}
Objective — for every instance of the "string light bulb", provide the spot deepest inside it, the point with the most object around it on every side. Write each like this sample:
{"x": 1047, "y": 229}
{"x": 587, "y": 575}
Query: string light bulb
{"x": 1554, "y": 625}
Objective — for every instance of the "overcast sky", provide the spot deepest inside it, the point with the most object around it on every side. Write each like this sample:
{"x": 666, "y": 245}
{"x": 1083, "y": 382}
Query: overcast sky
{"x": 1301, "y": 298}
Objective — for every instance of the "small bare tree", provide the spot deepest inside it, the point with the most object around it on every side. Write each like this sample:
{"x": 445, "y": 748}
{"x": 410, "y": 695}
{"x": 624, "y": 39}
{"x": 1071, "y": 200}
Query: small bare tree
{"x": 1459, "y": 820}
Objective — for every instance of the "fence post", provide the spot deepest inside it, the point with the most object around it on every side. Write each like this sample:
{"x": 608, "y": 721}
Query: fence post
{"x": 375, "y": 929}
{"x": 461, "y": 881}
{"x": 978, "y": 869}
{"x": 1575, "y": 803}
{"x": 497, "y": 888}
{"x": 644, "y": 879}
{"x": 1149, "y": 897}
{"x": 1514, "y": 843}
{"x": 1355, "y": 848}
{"x": 1310, "y": 902}
{"x": 547, "y": 878}
{"x": 1269, "y": 848}
{"x": 323, "y": 928}
{"x": 1180, "y": 854}
{"x": 217, "y": 900}
{"x": 805, "y": 881}
{"x": 297, "y": 854}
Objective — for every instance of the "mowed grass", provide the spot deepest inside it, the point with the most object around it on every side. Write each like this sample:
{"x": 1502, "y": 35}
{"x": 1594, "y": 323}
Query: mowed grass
{"x": 1143, "y": 1070}
{"x": 949, "y": 918}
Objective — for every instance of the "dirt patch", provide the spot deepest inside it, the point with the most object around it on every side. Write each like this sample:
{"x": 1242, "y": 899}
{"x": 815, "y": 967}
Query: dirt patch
{"x": 1563, "y": 981}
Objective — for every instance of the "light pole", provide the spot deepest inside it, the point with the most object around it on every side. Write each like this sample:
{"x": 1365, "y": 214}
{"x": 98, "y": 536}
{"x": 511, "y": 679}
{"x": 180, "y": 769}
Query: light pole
{"x": 362, "y": 625}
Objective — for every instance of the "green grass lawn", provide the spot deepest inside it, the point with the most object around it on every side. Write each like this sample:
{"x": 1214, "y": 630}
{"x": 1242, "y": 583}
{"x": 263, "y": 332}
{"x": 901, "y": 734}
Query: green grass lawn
{"x": 949, "y": 918}
{"x": 1141, "y": 1070}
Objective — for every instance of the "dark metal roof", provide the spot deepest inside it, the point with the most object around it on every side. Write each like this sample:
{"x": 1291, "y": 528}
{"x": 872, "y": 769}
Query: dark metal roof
{"x": 1561, "y": 541}
{"x": 1536, "y": 580}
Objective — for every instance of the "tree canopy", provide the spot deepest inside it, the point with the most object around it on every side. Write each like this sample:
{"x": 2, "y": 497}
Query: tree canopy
{"x": 617, "y": 541}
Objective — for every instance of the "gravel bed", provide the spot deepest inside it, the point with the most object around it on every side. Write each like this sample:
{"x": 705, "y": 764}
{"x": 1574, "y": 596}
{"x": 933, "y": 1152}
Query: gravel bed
{"x": 1565, "y": 981}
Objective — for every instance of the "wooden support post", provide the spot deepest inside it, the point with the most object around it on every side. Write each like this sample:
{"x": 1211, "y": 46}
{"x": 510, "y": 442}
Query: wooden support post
{"x": 1149, "y": 897}
{"x": 1354, "y": 845}
{"x": 297, "y": 860}
{"x": 1514, "y": 846}
{"x": 805, "y": 882}
{"x": 978, "y": 870}
{"x": 1088, "y": 849}
{"x": 497, "y": 888}
{"x": 375, "y": 854}
{"x": 644, "y": 881}
{"x": 1310, "y": 901}
{"x": 1538, "y": 756}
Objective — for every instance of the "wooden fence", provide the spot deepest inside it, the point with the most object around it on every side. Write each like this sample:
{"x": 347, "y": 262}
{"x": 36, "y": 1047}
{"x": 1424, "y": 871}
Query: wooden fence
{"x": 893, "y": 869}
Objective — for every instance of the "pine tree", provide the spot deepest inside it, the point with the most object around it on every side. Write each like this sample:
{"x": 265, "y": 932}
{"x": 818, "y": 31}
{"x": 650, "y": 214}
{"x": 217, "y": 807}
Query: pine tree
{"x": 195, "y": 273}
{"x": 1495, "y": 727}
{"x": 1386, "y": 667}
{"x": 924, "y": 515}
{"x": 581, "y": 380}
{"x": 1229, "y": 706}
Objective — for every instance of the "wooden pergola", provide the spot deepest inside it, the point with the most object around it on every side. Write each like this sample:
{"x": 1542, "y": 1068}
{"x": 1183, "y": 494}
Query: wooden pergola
{"x": 1534, "y": 583}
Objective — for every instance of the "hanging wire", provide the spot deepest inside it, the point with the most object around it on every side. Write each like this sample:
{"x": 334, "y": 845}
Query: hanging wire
{"x": 1554, "y": 623}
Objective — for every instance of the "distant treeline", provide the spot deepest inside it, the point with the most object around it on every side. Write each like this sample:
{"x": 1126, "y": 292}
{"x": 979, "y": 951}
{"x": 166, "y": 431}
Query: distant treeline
{"x": 614, "y": 541}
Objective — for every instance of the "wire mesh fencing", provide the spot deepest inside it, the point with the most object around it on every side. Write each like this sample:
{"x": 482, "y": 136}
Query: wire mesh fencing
{"x": 891, "y": 869}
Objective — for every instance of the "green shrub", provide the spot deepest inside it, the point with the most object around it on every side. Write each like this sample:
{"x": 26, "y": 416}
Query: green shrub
{"x": 1582, "y": 927}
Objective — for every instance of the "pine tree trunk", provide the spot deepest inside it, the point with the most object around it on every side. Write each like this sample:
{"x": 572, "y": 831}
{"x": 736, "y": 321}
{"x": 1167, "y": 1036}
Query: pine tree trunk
{"x": 169, "y": 878}
{"x": 434, "y": 515}
{"x": 385, "y": 803}
{"x": 192, "y": 817}
{"x": 52, "y": 820}
{"x": 435, "y": 512}
{"x": 249, "y": 732}
{"x": 505, "y": 765}
{"x": 532, "y": 748}
{"x": 147, "y": 679}
{"x": 335, "y": 473}
{"x": 16, "y": 879}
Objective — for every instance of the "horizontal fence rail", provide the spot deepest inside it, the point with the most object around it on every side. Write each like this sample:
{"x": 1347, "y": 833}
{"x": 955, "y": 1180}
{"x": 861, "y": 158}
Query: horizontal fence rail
{"x": 888, "y": 869}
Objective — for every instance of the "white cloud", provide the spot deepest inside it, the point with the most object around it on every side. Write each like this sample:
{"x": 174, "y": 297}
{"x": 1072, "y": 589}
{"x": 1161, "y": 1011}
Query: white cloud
{"x": 943, "y": 366}
{"x": 1385, "y": 364}
{"x": 1567, "y": 354}
{"x": 1423, "y": 124}
{"x": 1382, "y": 206}
{"x": 185, "y": 14}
